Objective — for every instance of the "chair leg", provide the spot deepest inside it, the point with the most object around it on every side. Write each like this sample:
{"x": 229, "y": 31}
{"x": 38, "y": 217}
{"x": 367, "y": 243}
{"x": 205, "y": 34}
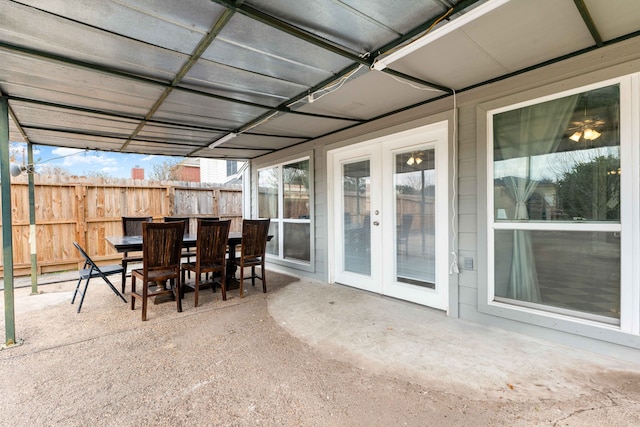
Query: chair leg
{"x": 113, "y": 288}
{"x": 133, "y": 292}
{"x": 196, "y": 289}
{"x": 124, "y": 275}
{"x": 223, "y": 284}
{"x": 241, "y": 282}
{"x": 86, "y": 285}
{"x": 264, "y": 280}
{"x": 82, "y": 293}
{"x": 76, "y": 291}
{"x": 145, "y": 292}
{"x": 176, "y": 290}
{"x": 182, "y": 287}
{"x": 253, "y": 276}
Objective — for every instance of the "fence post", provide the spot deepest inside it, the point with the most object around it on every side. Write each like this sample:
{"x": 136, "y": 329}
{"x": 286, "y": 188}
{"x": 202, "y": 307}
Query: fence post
{"x": 216, "y": 202}
{"x": 81, "y": 220}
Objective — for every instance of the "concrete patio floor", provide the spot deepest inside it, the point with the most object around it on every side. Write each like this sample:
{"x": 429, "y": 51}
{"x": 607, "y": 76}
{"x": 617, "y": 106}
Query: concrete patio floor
{"x": 305, "y": 353}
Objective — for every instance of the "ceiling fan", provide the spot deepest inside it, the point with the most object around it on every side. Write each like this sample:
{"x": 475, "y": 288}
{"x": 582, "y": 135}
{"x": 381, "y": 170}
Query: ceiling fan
{"x": 586, "y": 129}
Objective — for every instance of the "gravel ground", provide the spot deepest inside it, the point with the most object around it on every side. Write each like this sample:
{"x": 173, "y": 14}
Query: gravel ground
{"x": 230, "y": 364}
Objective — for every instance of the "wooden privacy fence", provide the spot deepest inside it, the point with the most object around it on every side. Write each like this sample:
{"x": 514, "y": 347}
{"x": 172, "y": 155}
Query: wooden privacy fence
{"x": 87, "y": 210}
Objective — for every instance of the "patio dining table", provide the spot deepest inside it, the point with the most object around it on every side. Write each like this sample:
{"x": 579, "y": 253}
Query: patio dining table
{"x": 134, "y": 244}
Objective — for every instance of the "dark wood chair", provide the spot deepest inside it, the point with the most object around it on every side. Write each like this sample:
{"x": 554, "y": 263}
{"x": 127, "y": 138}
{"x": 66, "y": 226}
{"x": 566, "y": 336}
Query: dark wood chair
{"x": 253, "y": 250}
{"x": 161, "y": 248}
{"x": 186, "y": 252}
{"x": 210, "y": 255}
{"x": 91, "y": 270}
{"x": 131, "y": 226}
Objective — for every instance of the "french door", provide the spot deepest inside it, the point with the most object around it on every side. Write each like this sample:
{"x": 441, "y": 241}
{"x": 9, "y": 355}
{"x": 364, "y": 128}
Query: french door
{"x": 390, "y": 216}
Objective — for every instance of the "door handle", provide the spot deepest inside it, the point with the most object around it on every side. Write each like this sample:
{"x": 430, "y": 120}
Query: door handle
{"x": 376, "y": 223}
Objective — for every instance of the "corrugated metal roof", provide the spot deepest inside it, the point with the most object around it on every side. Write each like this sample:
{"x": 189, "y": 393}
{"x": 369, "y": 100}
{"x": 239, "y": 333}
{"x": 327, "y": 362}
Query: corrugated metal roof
{"x": 138, "y": 76}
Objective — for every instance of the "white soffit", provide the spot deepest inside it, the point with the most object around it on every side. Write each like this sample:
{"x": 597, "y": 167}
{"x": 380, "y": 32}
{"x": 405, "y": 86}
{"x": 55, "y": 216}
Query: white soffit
{"x": 447, "y": 62}
{"x": 299, "y": 126}
{"x": 260, "y": 142}
{"x": 220, "y": 152}
{"x": 516, "y": 35}
{"x": 523, "y": 33}
{"x": 614, "y": 18}
{"x": 361, "y": 98}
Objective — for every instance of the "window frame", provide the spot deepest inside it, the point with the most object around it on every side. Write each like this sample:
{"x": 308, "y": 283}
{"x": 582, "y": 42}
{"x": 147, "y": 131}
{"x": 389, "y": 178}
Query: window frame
{"x": 279, "y": 259}
{"x": 629, "y": 225}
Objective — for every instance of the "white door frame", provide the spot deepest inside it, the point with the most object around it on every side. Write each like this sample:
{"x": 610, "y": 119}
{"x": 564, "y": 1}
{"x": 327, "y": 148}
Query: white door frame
{"x": 438, "y": 133}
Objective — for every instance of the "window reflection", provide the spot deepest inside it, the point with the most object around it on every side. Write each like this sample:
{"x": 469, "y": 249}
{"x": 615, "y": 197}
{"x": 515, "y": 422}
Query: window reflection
{"x": 268, "y": 193}
{"x": 296, "y": 189}
{"x": 284, "y": 196}
{"x": 577, "y": 271}
{"x": 415, "y": 192}
{"x": 545, "y": 169}
{"x": 559, "y": 161}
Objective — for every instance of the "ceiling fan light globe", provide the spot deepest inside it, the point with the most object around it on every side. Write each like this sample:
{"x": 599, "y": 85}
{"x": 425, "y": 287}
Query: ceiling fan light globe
{"x": 575, "y": 137}
{"x": 591, "y": 134}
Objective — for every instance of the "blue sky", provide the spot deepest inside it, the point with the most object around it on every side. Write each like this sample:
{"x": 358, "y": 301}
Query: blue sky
{"x": 82, "y": 162}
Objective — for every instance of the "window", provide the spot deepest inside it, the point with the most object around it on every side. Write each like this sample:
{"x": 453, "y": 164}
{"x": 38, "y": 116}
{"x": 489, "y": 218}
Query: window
{"x": 284, "y": 196}
{"x": 232, "y": 167}
{"x": 555, "y": 221}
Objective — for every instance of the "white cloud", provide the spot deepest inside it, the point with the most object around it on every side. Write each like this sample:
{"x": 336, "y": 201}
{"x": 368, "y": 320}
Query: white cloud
{"x": 73, "y": 158}
{"x": 147, "y": 158}
{"x": 110, "y": 169}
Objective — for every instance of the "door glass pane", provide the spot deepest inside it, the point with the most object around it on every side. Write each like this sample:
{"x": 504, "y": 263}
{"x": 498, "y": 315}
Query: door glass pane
{"x": 414, "y": 184}
{"x": 268, "y": 193}
{"x": 356, "y": 182}
{"x": 570, "y": 270}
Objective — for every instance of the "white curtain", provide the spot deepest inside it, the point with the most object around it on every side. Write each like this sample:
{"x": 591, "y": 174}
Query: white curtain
{"x": 523, "y": 133}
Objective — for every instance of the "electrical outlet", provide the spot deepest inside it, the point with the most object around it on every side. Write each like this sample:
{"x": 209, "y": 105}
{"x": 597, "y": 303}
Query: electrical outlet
{"x": 468, "y": 263}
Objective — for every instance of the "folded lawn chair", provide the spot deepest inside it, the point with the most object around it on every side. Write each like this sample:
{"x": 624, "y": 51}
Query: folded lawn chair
{"x": 91, "y": 270}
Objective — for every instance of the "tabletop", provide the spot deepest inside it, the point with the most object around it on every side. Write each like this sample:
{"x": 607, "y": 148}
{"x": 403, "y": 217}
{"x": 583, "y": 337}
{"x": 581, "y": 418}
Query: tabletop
{"x": 134, "y": 243}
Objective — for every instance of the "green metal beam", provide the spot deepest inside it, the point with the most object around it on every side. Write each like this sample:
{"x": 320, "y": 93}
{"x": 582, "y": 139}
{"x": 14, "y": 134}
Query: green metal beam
{"x": 152, "y": 141}
{"x": 7, "y": 242}
{"x": 32, "y": 209}
{"x": 586, "y": 17}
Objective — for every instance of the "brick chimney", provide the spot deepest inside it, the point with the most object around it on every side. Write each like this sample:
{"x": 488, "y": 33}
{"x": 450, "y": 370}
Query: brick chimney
{"x": 137, "y": 172}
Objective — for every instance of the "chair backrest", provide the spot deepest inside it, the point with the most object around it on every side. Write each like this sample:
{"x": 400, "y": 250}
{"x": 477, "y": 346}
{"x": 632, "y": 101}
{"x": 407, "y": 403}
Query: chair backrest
{"x": 208, "y": 218}
{"x": 132, "y": 225}
{"x": 87, "y": 260}
{"x": 179, "y": 218}
{"x": 254, "y": 237}
{"x": 212, "y": 241}
{"x": 161, "y": 245}
{"x": 407, "y": 221}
